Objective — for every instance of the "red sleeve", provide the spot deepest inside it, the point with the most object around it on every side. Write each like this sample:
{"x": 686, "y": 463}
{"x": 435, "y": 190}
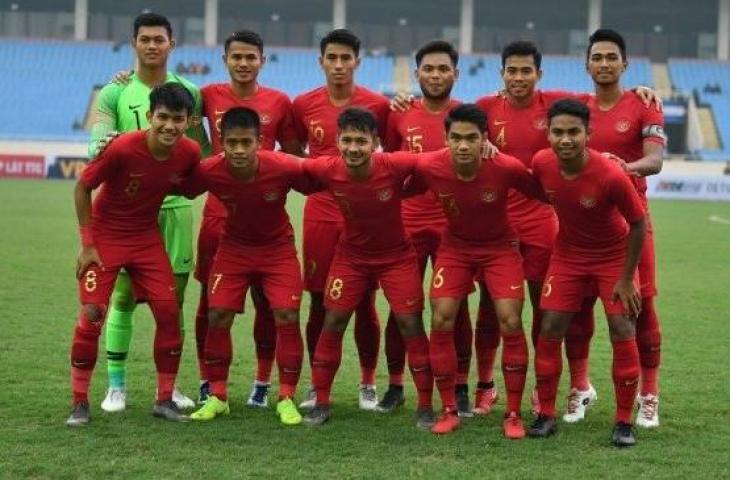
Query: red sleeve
{"x": 522, "y": 179}
{"x": 304, "y": 183}
{"x": 317, "y": 169}
{"x": 298, "y": 120}
{"x": 287, "y": 130}
{"x": 194, "y": 183}
{"x": 652, "y": 126}
{"x": 402, "y": 164}
{"x": 100, "y": 168}
{"x": 624, "y": 196}
{"x": 393, "y": 140}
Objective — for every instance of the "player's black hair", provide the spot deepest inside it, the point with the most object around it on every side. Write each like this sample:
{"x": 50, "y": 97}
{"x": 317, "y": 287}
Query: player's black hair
{"x": 357, "y": 119}
{"x": 522, "y": 48}
{"x": 240, "y": 117}
{"x": 607, "y": 35}
{"x": 173, "y": 96}
{"x": 149, "y": 19}
{"x": 467, "y": 112}
{"x": 569, "y": 106}
{"x": 341, "y": 36}
{"x": 437, "y": 46}
{"x": 244, "y": 36}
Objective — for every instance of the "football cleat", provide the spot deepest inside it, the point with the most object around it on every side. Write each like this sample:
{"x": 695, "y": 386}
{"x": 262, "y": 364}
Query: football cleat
{"x": 203, "y": 392}
{"x": 392, "y": 399}
{"x": 446, "y": 423}
{"x": 259, "y": 396}
{"x": 367, "y": 398}
{"x": 318, "y": 416}
{"x": 648, "y": 414}
{"x": 288, "y": 413}
{"x": 181, "y": 401}
{"x": 542, "y": 427}
{"x": 513, "y": 427}
{"x": 310, "y": 400}
{"x": 169, "y": 411}
{"x": 578, "y": 403}
{"x": 213, "y": 407}
{"x": 462, "y": 401}
{"x": 79, "y": 415}
{"x": 425, "y": 418}
{"x": 115, "y": 400}
{"x": 623, "y": 435}
{"x": 484, "y": 400}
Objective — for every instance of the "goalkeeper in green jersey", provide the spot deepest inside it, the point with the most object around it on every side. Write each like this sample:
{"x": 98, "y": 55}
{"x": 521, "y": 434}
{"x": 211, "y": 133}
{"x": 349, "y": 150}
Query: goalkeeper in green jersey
{"x": 123, "y": 108}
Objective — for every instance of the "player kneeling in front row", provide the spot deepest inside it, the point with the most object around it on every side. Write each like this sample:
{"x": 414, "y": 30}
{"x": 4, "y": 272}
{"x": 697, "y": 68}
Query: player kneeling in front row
{"x": 257, "y": 244}
{"x": 600, "y": 238}
{"x": 373, "y": 248}
{"x": 119, "y": 230}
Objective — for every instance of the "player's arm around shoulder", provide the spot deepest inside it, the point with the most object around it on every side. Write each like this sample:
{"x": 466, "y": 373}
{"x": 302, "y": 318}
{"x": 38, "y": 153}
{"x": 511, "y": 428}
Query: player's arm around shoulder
{"x": 104, "y": 116}
{"x": 521, "y": 178}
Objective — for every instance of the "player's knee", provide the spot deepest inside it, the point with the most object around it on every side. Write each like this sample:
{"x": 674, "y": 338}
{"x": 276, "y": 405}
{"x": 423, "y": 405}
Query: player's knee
{"x": 286, "y": 316}
{"x": 442, "y": 320}
{"x": 410, "y": 325}
{"x": 553, "y": 325}
{"x": 123, "y": 300}
{"x": 94, "y": 313}
{"x": 336, "y": 320}
{"x": 621, "y": 327}
{"x": 510, "y": 323}
{"x": 219, "y": 318}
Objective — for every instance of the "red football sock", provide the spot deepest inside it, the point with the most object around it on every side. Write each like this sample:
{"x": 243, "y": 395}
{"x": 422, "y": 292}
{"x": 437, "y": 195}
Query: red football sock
{"x": 463, "y": 338}
{"x": 218, "y": 354}
{"x": 367, "y": 338}
{"x": 289, "y": 357}
{"x": 443, "y": 366}
{"x": 418, "y": 362}
{"x": 578, "y": 345}
{"x": 84, "y": 351}
{"x": 327, "y": 358}
{"x": 649, "y": 338}
{"x": 548, "y": 367}
{"x": 264, "y": 335}
{"x": 486, "y": 342}
{"x": 514, "y": 368}
{"x": 201, "y": 329}
{"x": 626, "y": 371}
{"x": 314, "y": 327}
{"x": 167, "y": 345}
{"x": 395, "y": 351}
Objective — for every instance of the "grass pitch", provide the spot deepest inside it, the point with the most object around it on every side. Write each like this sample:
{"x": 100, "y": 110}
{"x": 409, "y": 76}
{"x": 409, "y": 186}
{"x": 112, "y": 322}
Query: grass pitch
{"x": 39, "y": 303}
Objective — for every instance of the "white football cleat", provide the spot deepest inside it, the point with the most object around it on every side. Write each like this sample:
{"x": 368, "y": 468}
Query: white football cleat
{"x": 310, "y": 400}
{"x": 367, "y": 398}
{"x": 259, "y": 396}
{"x": 181, "y": 401}
{"x": 578, "y": 403}
{"x": 648, "y": 414}
{"x": 115, "y": 400}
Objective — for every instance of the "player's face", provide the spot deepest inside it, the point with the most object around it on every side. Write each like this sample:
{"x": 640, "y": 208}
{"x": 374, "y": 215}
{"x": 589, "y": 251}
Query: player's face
{"x": 605, "y": 64}
{"x": 465, "y": 143}
{"x": 167, "y": 126}
{"x": 436, "y": 75}
{"x": 153, "y": 46}
{"x": 520, "y": 75}
{"x": 244, "y": 61}
{"x": 356, "y": 146}
{"x": 239, "y": 147}
{"x": 567, "y": 136}
{"x": 339, "y": 63}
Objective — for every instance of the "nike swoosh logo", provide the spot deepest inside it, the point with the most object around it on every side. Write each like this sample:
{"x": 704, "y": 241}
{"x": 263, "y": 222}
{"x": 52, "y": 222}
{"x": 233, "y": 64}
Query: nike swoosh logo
{"x": 136, "y": 175}
{"x": 187, "y": 260}
{"x": 497, "y": 123}
{"x": 175, "y": 353}
{"x": 410, "y": 129}
{"x": 134, "y": 107}
{"x": 515, "y": 287}
{"x": 172, "y": 289}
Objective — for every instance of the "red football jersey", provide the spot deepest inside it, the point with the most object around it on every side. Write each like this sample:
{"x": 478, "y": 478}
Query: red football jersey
{"x": 522, "y": 132}
{"x": 256, "y": 213}
{"x": 371, "y": 209}
{"x": 274, "y": 109}
{"x": 315, "y": 119}
{"x": 476, "y": 210}
{"x": 133, "y": 185}
{"x": 622, "y": 130}
{"x": 419, "y": 130}
{"x": 593, "y": 208}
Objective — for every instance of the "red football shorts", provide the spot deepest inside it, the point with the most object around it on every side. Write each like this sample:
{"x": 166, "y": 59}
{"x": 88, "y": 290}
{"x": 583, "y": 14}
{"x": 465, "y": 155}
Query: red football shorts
{"x": 499, "y": 267}
{"x": 146, "y": 263}
{"x": 211, "y": 229}
{"x": 426, "y": 241}
{"x": 535, "y": 261}
{"x": 275, "y": 268}
{"x": 569, "y": 278}
{"x": 319, "y": 242}
{"x": 351, "y": 278}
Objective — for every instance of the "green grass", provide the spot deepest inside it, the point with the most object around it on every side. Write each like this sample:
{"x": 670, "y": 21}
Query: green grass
{"x": 39, "y": 304}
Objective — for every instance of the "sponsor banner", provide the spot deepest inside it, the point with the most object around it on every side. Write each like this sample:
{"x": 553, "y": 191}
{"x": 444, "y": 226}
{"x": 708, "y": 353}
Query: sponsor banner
{"x": 18, "y": 165}
{"x": 67, "y": 167}
{"x": 690, "y": 187}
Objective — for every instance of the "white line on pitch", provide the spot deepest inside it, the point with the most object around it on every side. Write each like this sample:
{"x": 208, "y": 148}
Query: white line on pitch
{"x": 718, "y": 219}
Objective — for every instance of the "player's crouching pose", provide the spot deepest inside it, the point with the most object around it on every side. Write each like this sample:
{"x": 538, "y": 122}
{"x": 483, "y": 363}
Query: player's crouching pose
{"x": 257, "y": 244}
{"x": 373, "y": 248}
{"x": 602, "y": 228}
{"x": 119, "y": 230}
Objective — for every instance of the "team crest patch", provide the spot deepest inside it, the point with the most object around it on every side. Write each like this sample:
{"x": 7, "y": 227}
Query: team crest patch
{"x": 622, "y": 126}
{"x": 385, "y": 194}
{"x": 540, "y": 123}
{"x": 587, "y": 202}
{"x": 489, "y": 196}
{"x": 265, "y": 119}
{"x": 271, "y": 196}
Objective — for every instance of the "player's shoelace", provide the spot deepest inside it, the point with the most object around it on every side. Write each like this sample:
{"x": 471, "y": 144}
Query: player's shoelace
{"x": 648, "y": 407}
{"x": 573, "y": 401}
{"x": 368, "y": 394}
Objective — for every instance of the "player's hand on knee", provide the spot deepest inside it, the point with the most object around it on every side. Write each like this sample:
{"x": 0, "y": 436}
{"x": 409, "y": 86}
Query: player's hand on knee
{"x": 401, "y": 102}
{"x": 122, "y": 77}
{"x": 87, "y": 257}
{"x": 626, "y": 292}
